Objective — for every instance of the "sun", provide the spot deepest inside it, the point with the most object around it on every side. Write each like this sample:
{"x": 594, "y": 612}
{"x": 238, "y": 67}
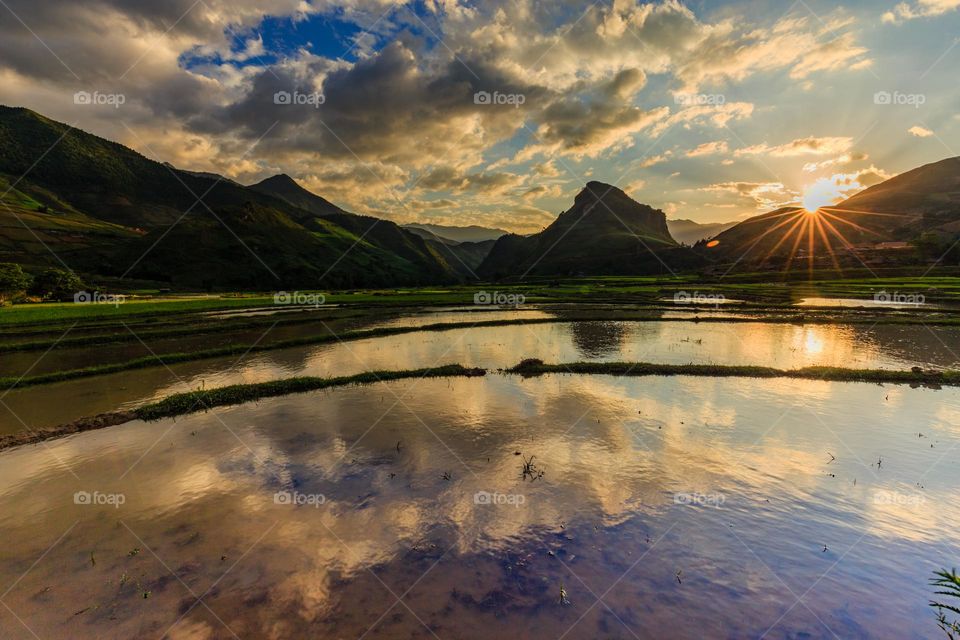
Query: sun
{"x": 822, "y": 193}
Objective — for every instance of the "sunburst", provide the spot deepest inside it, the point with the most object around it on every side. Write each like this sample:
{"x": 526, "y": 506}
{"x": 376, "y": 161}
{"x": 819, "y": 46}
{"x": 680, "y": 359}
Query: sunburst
{"x": 806, "y": 229}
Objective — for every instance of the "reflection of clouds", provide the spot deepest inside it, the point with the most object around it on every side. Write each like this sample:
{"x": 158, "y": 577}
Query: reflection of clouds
{"x": 640, "y": 441}
{"x": 905, "y": 513}
{"x": 947, "y": 420}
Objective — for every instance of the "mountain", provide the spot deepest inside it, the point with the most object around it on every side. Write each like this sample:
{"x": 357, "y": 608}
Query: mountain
{"x": 383, "y": 234}
{"x": 924, "y": 199}
{"x": 473, "y": 233}
{"x": 104, "y": 179}
{"x": 463, "y": 257}
{"x": 690, "y": 232}
{"x": 204, "y": 174}
{"x": 115, "y": 212}
{"x": 284, "y": 187}
{"x": 604, "y": 232}
{"x": 905, "y": 208}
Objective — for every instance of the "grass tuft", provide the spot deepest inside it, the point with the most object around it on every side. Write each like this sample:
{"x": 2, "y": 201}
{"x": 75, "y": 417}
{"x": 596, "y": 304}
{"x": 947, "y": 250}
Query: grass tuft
{"x": 916, "y": 375}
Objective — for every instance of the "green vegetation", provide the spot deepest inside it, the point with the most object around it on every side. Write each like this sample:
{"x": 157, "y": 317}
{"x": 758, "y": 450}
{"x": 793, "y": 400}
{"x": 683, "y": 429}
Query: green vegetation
{"x": 948, "y": 583}
{"x": 13, "y": 281}
{"x": 56, "y": 284}
{"x": 67, "y": 312}
{"x": 534, "y": 367}
{"x": 236, "y": 394}
{"x": 757, "y": 292}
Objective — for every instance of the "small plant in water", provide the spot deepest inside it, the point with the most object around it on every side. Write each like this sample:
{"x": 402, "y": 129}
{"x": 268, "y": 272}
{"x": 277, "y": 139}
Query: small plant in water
{"x": 530, "y": 469}
{"x": 948, "y": 583}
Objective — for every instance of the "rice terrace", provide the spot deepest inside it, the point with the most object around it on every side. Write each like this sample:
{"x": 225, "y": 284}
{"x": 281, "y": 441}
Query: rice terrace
{"x": 466, "y": 319}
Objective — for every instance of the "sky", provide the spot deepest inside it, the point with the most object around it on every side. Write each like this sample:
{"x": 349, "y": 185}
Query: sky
{"x": 498, "y": 112}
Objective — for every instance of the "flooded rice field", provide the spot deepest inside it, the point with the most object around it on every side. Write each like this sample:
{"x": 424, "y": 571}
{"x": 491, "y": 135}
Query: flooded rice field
{"x": 64, "y": 358}
{"x": 755, "y": 343}
{"x": 550, "y": 507}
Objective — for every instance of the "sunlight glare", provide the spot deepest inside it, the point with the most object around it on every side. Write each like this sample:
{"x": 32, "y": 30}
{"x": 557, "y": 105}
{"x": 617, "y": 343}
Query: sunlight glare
{"x": 822, "y": 193}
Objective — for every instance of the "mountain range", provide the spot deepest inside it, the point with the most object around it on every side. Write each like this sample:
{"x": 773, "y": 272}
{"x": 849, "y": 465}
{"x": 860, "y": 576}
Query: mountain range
{"x": 473, "y": 233}
{"x": 69, "y": 197}
{"x": 690, "y": 232}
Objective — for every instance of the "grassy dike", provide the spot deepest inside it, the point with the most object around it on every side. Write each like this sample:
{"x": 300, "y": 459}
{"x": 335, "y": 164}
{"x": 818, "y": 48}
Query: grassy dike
{"x": 205, "y": 399}
{"x": 916, "y": 375}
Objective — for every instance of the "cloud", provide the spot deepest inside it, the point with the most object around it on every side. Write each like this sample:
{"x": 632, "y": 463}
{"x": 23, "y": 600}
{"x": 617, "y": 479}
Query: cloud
{"x": 541, "y": 191}
{"x": 841, "y": 161}
{"x": 920, "y": 132}
{"x": 399, "y": 127}
{"x": 635, "y": 187}
{"x": 799, "y": 147}
{"x": 717, "y": 115}
{"x": 594, "y": 120}
{"x": 919, "y": 9}
{"x": 841, "y": 186}
{"x": 764, "y": 195}
{"x": 651, "y": 161}
{"x": 709, "y": 149}
{"x": 797, "y": 43}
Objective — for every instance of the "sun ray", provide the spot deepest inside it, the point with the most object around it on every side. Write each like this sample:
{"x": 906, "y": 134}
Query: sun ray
{"x": 818, "y": 224}
{"x": 851, "y": 223}
{"x": 796, "y": 213}
{"x": 869, "y": 213}
{"x": 793, "y": 249}
{"x": 786, "y": 235}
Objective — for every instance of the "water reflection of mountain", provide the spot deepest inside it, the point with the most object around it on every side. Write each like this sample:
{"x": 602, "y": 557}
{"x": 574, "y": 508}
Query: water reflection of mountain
{"x": 598, "y": 339}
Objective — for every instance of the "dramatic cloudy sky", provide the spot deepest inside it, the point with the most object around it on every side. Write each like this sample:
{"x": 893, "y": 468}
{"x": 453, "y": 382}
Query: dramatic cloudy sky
{"x": 710, "y": 110}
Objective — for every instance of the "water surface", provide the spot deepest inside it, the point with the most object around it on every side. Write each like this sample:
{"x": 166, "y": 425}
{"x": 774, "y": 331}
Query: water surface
{"x": 667, "y": 507}
{"x": 754, "y": 343}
